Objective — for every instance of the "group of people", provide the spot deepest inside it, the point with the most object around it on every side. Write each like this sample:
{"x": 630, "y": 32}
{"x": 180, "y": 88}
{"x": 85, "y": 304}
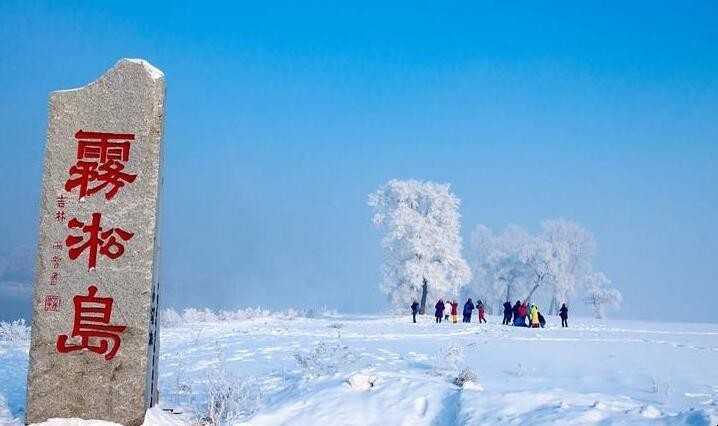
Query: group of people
{"x": 519, "y": 315}
{"x": 444, "y": 309}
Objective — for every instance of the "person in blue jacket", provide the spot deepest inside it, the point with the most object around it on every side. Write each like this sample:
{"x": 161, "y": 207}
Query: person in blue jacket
{"x": 468, "y": 310}
{"x": 517, "y": 313}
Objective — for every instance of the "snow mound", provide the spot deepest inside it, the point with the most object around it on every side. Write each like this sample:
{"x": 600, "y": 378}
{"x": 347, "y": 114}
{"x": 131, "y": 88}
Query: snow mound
{"x": 75, "y": 422}
{"x": 651, "y": 412}
{"x": 362, "y": 382}
{"x": 155, "y": 416}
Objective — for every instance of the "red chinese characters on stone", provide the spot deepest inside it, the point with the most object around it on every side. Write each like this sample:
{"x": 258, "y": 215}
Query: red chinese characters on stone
{"x": 52, "y": 303}
{"x": 99, "y": 240}
{"x": 92, "y": 326}
{"x": 100, "y": 163}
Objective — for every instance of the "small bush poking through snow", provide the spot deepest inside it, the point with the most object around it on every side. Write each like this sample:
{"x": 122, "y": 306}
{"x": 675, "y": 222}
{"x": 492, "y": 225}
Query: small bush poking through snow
{"x": 195, "y": 315}
{"x": 467, "y": 375}
{"x": 170, "y": 318}
{"x": 16, "y": 331}
{"x": 230, "y": 399}
{"x": 324, "y": 360}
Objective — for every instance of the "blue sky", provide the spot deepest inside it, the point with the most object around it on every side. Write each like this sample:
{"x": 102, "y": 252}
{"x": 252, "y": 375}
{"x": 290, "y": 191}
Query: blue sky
{"x": 282, "y": 117}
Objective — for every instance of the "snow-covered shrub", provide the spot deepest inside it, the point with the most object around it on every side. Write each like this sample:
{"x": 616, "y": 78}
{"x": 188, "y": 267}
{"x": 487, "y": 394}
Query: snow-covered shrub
{"x": 230, "y": 398}
{"x": 223, "y": 315}
{"x": 467, "y": 375}
{"x": 15, "y": 331}
{"x": 521, "y": 371}
{"x": 448, "y": 358}
{"x": 194, "y": 315}
{"x": 292, "y": 314}
{"x": 247, "y": 314}
{"x": 324, "y": 312}
{"x": 662, "y": 386}
{"x": 183, "y": 389}
{"x": 325, "y": 360}
{"x": 170, "y": 318}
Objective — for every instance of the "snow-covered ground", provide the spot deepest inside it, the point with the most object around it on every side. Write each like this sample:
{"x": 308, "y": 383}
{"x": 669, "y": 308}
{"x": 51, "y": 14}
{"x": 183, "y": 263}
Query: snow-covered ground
{"x": 367, "y": 370}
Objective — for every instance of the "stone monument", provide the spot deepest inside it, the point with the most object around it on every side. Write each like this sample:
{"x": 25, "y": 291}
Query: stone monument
{"x": 95, "y": 316}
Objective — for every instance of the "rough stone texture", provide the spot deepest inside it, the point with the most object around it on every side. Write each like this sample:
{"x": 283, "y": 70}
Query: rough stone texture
{"x": 129, "y": 98}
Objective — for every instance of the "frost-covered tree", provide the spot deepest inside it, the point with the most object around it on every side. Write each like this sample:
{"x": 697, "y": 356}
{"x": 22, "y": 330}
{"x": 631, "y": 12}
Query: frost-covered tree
{"x": 422, "y": 245}
{"x": 559, "y": 261}
{"x": 573, "y": 250}
{"x": 599, "y": 296}
{"x": 498, "y": 270}
{"x": 540, "y": 258}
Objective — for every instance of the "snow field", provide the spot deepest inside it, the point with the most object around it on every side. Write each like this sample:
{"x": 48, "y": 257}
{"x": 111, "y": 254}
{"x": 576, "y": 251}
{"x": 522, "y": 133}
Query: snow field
{"x": 366, "y": 370}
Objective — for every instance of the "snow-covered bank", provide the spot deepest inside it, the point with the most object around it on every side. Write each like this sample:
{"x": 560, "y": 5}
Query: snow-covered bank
{"x": 385, "y": 370}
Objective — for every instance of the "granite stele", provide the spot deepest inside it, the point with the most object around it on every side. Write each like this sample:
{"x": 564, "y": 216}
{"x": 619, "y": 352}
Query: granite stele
{"x": 94, "y": 325}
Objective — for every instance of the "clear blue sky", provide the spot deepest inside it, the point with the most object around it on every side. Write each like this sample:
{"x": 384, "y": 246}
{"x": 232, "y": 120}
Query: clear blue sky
{"x": 282, "y": 117}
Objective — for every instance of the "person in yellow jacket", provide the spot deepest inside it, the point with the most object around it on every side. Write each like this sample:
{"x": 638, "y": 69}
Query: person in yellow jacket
{"x": 534, "y": 316}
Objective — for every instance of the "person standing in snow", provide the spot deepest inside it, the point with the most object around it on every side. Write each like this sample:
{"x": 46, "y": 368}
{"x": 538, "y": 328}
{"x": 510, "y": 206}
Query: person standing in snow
{"x": 455, "y": 311}
{"x": 534, "y": 318}
{"x": 439, "y": 311}
{"x": 447, "y": 310}
{"x": 468, "y": 310}
{"x": 507, "y": 313}
{"x": 542, "y": 320}
{"x": 480, "y": 307}
{"x": 563, "y": 313}
{"x": 414, "y": 309}
{"x": 523, "y": 311}
{"x": 517, "y": 312}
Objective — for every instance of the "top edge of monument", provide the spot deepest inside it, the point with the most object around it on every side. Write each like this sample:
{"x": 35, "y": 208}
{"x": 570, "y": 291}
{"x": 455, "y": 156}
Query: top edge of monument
{"x": 153, "y": 72}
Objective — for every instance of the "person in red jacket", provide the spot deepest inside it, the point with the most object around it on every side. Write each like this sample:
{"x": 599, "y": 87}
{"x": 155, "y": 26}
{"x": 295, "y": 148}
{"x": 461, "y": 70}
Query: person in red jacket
{"x": 455, "y": 311}
{"x": 523, "y": 311}
{"x": 480, "y": 307}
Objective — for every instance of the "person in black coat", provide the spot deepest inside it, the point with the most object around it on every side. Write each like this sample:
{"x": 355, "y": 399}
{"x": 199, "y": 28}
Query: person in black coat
{"x": 563, "y": 313}
{"x": 507, "y": 313}
{"x": 414, "y": 309}
{"x": 439, "y": 311}
{"x": 468, "y": 310}
{"x": 542, "y": 320}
